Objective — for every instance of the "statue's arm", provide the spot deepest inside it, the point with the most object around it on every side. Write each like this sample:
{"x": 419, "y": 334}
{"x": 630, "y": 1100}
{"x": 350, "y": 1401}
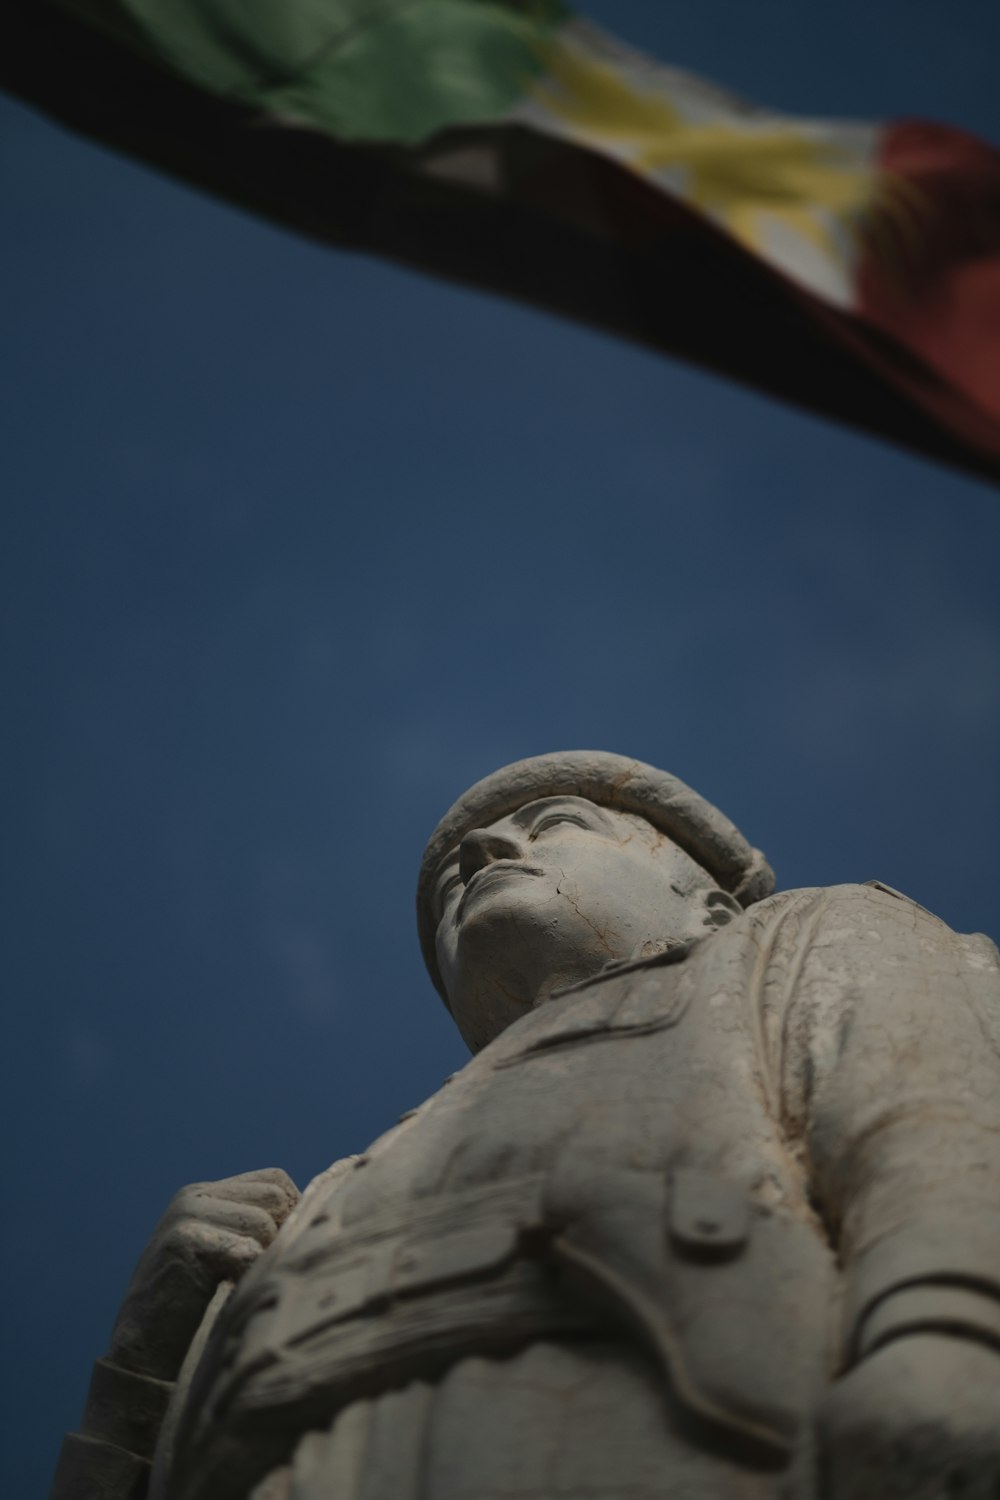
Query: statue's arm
{"x": 893, "y": 1041}
{"x": 211, "y": 1232}
{"x": 902, "y": 1114}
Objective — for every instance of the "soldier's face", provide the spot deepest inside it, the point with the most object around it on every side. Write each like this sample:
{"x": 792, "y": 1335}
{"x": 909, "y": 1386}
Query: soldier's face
{"x": 548, "y": 896}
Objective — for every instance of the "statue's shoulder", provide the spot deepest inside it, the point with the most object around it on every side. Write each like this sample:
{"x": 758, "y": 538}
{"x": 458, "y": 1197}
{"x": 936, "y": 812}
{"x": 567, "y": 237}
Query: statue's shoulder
{"x": 867, "y": 919}
{"x": 870, "y": 897}
{"x": 867, "y": 910}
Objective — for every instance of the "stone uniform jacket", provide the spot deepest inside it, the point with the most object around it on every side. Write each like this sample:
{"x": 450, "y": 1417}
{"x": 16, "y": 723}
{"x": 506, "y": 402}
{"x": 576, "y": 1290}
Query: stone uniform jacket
{"x": 753, "y": 1159}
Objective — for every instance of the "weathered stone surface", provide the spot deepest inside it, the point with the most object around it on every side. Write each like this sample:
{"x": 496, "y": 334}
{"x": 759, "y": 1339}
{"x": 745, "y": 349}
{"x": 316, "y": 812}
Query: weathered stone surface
{"x": 713, "y": 1212}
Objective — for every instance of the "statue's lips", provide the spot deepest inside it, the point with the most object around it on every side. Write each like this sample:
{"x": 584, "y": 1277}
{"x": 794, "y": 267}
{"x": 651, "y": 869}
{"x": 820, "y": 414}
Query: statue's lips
{"x": 495, "y": 870}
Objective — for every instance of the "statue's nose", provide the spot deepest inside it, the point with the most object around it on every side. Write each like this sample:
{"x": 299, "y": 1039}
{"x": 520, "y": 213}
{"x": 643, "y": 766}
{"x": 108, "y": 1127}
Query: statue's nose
{"x": 481, "y": 847}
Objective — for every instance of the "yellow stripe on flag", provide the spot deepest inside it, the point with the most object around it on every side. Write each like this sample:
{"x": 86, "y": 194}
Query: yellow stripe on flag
{"x": 748, "y": 172}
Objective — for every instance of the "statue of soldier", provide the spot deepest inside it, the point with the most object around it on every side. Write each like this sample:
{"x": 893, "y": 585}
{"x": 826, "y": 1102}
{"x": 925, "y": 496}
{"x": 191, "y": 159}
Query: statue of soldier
{"x": 712, "y": 1214}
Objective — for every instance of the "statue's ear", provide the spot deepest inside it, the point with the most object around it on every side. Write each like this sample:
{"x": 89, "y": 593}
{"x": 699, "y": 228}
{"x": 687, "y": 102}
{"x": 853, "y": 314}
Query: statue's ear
{"x": 720, "y": 908}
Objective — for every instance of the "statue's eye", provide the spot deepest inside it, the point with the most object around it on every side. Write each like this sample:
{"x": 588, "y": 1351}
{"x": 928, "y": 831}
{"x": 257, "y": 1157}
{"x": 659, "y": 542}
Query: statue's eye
{"x": 553, "y": 819}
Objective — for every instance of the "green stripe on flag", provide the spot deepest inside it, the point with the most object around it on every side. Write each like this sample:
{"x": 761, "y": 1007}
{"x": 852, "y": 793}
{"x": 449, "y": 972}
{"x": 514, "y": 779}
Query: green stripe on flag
{"x": 364, "y": 70}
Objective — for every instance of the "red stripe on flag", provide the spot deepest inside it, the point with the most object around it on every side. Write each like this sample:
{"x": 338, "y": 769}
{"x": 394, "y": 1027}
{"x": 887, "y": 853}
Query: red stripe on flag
{"x": 930, "y": 272}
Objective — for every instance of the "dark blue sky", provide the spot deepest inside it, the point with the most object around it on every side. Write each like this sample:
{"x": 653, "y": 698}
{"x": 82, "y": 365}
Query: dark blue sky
{"x": 298, "y": 544}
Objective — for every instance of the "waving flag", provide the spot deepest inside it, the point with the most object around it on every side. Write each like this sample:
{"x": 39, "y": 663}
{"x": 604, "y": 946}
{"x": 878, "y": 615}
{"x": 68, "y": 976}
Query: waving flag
{"x": 852, "y": 268}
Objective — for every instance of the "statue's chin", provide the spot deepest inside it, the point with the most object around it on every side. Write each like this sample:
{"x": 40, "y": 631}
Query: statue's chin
{"x": 528, "y": 949}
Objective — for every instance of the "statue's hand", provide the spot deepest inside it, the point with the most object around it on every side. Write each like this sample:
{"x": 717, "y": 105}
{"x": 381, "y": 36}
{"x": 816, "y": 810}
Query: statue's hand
{"x": 918, "y": 1419}
{"x": 211, "y": 1232}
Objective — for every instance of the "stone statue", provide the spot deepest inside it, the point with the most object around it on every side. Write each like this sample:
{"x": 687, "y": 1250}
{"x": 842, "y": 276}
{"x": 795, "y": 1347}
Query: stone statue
{"x": 712, "y": 1214}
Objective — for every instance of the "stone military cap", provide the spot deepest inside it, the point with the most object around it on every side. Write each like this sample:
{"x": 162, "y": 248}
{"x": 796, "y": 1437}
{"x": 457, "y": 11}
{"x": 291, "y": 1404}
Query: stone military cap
{"x": 612, "y": 781}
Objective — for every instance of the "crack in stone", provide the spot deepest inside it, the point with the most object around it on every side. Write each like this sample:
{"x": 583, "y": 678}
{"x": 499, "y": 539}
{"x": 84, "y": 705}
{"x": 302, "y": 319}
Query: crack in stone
{"x": 600, "y": 936}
